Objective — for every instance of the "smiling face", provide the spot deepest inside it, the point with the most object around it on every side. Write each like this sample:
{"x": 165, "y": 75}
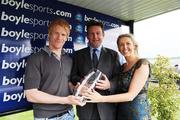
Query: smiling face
{"x": 57, "y": 37}
{"x": 127, "y": 45}
{"x": 95, "y": 36}
{"x": 58, "y": 32}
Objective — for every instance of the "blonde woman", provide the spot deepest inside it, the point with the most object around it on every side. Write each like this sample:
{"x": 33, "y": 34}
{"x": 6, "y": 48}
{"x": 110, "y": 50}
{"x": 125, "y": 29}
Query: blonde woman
{"x": 133, "y": 83}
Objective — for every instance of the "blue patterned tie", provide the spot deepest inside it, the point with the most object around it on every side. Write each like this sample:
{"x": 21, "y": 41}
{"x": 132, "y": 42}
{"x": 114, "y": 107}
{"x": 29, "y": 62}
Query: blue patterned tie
{"x": 95, "y": 59}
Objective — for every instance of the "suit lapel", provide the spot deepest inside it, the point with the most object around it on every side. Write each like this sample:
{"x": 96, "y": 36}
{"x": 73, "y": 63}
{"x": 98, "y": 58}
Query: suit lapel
{"x": 102, "y": 57}
{"x": 87, "y": 57}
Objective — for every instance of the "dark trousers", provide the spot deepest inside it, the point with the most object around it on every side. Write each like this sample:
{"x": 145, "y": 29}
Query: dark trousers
{"x": 94, "y": 115}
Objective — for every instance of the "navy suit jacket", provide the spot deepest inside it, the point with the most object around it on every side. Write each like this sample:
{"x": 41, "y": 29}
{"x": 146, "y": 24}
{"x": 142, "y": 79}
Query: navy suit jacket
{"x": 110, "y": 66}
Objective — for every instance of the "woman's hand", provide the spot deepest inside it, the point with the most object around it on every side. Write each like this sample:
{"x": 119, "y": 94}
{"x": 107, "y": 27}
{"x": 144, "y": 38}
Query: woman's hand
{"x": 75, "y": 100}
{"x": 93, "y": 96}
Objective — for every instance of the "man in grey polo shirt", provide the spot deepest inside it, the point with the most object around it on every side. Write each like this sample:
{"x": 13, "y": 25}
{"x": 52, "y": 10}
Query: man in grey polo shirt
{"x": 47, "y": 74}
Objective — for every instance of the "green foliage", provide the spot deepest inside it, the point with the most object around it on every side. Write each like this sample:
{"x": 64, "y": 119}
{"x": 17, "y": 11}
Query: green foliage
{"x": 163, "y": 95}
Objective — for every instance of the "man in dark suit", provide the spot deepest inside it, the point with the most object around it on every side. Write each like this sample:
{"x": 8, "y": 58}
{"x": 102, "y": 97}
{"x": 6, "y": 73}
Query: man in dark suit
{"x": 93, "y": 57}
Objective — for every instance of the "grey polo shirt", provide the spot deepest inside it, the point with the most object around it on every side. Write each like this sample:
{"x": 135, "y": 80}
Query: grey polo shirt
{"x": 48, "y": 74}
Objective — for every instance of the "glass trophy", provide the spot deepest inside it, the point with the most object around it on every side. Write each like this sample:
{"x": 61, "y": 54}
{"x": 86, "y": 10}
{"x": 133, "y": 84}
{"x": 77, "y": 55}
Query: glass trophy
{"x": 88, "y": 82}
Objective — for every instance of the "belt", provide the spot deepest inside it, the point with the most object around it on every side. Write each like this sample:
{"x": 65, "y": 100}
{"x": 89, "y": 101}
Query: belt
{"x": 58, "y": 115}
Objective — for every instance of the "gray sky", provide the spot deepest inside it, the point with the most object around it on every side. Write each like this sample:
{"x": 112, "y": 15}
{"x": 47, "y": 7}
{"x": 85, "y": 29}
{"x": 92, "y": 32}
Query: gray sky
{"x": 159, "y": 35}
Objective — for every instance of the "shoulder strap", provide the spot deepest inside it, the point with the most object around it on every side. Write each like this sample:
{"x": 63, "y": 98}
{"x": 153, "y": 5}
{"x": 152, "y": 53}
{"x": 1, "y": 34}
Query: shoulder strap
{"x": 139, "y": 63}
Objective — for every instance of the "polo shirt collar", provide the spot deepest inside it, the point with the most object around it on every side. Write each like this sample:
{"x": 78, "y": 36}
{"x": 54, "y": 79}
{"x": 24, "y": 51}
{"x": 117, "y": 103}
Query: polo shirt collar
{"x": 49, "y": 52}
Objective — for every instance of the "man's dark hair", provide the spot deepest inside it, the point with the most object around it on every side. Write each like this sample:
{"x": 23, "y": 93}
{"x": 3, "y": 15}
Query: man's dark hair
{"x": 94, "y": 23}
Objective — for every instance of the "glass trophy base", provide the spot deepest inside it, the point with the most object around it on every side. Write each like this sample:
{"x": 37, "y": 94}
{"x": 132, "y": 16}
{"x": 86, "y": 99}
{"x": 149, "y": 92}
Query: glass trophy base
{"x": 89, "y": 82}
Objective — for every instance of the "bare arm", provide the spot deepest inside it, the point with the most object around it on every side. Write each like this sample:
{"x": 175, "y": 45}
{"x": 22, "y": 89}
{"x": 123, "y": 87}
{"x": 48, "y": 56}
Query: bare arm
{"x": 36, "y": 96}
{"x": 137, "y": 83}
